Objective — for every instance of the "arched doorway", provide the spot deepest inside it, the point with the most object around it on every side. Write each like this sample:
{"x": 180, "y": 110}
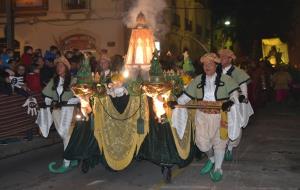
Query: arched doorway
{"x": 82, "y": 42}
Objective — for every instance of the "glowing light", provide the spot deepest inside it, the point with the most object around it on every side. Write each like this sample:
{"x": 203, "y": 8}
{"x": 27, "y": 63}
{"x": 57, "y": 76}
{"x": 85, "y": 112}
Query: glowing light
{"x": 78, "y": 117}
{"x": 158, "y": 107}
{"x": 158, "y": 104}
{"x": 126, "y": 73}
{"x": 227, "y": 22}
{"x": 157, "y": 45}
{"x": 139, "y": 59}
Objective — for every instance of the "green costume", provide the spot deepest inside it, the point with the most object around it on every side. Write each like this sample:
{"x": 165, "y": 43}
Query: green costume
{"x": 51, "y": 93}
{"x": 239, "y": 75}
{"x": 188, "y": 66}
{"x": 62, "y": 118}
{"x": 225, "y": 87}
{"x": 243, "y": 79}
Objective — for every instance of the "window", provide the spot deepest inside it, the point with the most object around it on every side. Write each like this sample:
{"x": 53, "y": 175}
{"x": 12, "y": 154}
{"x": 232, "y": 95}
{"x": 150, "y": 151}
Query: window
{"x": 2, "y": 6}
{"x": 176, "y": 20}
{"x": 28, "y": 7}
{"x": 199, "y": 29}
{"x": 188, "y": 24}
{"x": 76, "y": 4}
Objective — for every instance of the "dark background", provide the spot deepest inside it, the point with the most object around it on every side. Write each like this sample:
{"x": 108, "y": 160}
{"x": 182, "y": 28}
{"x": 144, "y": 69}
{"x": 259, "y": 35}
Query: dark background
{"x": 257, "y": 19}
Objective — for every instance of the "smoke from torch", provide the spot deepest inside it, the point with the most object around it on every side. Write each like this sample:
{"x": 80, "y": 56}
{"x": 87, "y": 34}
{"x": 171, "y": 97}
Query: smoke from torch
{"x": 153, "y": 11}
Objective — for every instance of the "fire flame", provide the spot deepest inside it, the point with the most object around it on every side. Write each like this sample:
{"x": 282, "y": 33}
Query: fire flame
{"x": 158, "y": 105}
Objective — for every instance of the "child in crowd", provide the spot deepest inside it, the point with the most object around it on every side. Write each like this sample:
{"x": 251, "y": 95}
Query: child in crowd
{"x": 33, "y": 79}
{"x": 26, "y": 58}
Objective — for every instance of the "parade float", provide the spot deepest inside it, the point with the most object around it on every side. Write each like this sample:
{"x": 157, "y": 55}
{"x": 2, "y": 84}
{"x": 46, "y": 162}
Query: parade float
{"x": 128, "y": 118}
{"x": 275, "y": 51}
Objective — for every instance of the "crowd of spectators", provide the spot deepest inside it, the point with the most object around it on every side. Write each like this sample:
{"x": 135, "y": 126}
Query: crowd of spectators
{"x": 34, "y": 69}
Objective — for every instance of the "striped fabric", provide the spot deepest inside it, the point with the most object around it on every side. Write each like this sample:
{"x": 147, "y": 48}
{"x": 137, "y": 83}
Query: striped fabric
{"x": 14, "y": 121}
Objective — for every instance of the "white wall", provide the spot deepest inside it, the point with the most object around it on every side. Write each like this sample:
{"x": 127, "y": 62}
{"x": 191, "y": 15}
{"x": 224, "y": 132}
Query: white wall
{"x": 103, "y": 22}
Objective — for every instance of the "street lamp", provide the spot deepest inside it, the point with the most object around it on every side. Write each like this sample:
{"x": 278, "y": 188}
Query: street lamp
{"x": 227, "y": 22}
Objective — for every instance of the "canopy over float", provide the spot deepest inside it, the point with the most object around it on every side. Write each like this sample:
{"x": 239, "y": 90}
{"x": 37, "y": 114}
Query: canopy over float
{"x": 140, "y": 49}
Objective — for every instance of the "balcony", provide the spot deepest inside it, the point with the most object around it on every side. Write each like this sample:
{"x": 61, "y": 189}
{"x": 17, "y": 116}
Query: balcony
{"x": 26, "y": 8}
{"x": 76, "y": 5}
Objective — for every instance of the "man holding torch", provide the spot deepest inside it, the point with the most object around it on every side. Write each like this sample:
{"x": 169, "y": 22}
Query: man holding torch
{"x": 215, "y": 94}
{"x": 242, "y": 79}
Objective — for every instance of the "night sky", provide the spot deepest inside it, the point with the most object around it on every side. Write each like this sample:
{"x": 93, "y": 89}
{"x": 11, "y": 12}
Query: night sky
{"x": 255, "y": 19}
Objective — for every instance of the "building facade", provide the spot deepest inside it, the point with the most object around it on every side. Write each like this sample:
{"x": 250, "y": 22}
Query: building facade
{"x": 84, "y": 24}
{"x": 190, "y": 27}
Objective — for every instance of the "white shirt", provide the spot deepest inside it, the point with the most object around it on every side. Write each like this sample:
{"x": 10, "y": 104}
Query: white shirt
{"x": 60, "y": 86}
{"x": 209, "y": 88}
{"x": 226, "y": 69}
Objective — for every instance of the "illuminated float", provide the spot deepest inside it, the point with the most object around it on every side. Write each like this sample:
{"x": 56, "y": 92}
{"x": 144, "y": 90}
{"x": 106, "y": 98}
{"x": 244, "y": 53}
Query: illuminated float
{"x": 140, "y": 49}
{"x": 124, "y": 127}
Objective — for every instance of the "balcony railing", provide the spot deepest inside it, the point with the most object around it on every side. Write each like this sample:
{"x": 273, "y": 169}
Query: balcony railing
{"x": 76, "y": 5}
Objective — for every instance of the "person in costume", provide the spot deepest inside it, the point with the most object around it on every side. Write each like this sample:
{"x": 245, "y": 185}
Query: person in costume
{"x": 60, "y": 104}
{"x": 282, "y": 81}
{"x": 188, "y": 66}
{"x": 242, "y": 78}
{"x": 211, "y": 134}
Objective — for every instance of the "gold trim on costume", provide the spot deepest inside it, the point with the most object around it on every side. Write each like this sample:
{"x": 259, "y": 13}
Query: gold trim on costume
{"x": 118, "y": 140}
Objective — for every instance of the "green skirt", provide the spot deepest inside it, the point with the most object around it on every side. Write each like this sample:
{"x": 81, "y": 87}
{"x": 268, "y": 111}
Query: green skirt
{"x": 158, "y": 147}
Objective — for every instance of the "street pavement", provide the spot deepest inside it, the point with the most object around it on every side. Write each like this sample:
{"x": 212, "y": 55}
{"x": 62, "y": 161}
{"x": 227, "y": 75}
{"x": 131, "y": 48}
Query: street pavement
{"x": 268, "y": 158}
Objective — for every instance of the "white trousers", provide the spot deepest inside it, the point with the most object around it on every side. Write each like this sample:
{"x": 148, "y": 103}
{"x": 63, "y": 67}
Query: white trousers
{"x": 208, "y": 132}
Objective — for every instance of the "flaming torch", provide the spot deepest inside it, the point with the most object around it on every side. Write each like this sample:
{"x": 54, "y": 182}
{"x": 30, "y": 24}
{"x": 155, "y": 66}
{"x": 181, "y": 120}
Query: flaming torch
{"x": 157, "y": 88}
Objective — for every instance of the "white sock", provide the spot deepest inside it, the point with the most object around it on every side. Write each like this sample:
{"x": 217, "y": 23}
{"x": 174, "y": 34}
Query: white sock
{"x": 67, "y": 163}
{"x": 219, "y": 157}
{"x": 210, "y": 155}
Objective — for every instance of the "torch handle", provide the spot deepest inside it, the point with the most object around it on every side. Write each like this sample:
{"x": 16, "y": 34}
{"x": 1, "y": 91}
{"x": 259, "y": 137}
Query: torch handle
{"x": 199, "y": 106}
